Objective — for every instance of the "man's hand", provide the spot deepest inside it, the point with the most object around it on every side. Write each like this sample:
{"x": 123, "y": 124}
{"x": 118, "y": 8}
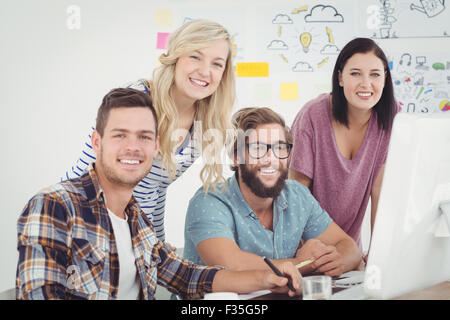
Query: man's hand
{"x": 326, "y": 258}
{"x": 253, "y": 280}
{"x": 279, "y": 284}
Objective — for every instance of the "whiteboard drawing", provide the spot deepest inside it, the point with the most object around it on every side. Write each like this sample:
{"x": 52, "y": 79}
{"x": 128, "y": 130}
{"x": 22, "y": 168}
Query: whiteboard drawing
{"x": 390, "y": 19}
{"x": 419, "y": 87}
{"x": 298, "y": 10}
{"x": 308, "y": 36}
{"x": 405, "y": 58}
{"x": 277, "y": 45}
{"x": 438, "y": 66}
{"x": 420, "y": 63}
{"x": 305, "y": 41}
{"x": 283, "y": 57}
{"x": 386, "y": 19}
{"x": 329, "y": 33}
{"x": 430, "y": 7}
{"x": 330, "y": 49}
{"x": 302, "y": 67}
{"x": 324, "y": 13}
{"x": 235, "y": 49}
{"x": 444, "y": 105}
{"x": 323, "y": 62}
{"x": 282, "y": 19}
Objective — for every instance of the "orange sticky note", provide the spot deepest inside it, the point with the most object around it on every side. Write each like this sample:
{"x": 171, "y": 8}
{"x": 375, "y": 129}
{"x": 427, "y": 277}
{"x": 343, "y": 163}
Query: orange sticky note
{"x": 289, "y": 91}
{"x": 252, "y": 69}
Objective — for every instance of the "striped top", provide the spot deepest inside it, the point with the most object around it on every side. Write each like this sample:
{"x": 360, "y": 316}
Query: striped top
{"x": 150, "y": 193}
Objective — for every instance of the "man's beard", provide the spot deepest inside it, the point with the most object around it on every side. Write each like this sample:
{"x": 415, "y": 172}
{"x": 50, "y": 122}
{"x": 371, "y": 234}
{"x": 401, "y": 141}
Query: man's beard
{"x": 112, "y": 177}
{"x": 258, "y": 188}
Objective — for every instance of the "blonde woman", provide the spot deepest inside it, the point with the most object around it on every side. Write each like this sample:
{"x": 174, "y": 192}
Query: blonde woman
{"x": 193, "y": 85}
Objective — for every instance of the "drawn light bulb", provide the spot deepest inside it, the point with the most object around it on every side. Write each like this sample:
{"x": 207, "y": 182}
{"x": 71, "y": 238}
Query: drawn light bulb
{"x": 305, "y": 40}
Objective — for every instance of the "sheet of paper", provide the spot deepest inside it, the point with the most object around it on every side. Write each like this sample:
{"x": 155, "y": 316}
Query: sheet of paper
{"x": 254, "y": 294}
{"x": 351, "y": 277}
{"x": 352, "y": 293}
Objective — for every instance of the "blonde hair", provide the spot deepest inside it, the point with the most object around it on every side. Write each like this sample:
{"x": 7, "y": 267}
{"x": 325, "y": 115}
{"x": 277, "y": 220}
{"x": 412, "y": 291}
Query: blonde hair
{"x": 213, "y": 111}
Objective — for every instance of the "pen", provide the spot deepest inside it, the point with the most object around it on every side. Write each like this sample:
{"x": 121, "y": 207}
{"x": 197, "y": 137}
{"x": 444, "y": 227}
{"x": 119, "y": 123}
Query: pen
{"x": 278, "y": 273}
{"x": 304, "y": 263}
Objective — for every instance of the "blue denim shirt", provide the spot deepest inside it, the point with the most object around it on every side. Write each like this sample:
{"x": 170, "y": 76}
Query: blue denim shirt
{"x": 226, "y": 214}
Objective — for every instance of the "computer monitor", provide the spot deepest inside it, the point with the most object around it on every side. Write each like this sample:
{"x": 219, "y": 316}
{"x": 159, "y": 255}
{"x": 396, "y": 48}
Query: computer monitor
{"x": 405, "y": 253}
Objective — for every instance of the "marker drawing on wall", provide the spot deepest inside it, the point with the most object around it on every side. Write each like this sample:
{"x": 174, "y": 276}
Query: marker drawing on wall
{"x": 298, "y": 10}
{"x": 330, "y": 49}
{"x": 283, "y": 58}
{"x": 282, "y": 19}
{"x": 302, "y": 67}
{"x": 309, "y": 36}
{"x": 390, "y": 19}
{"x": 420, "y": 63}
{"x": 322, "y": 63}
{"x": 386, "y": 20}
{"x": 277, "y": 45}
{"x": 330, "y": 35}
{"x": 429, "y": 7}
{"x": 419, "y": 87}
{"x": 324, "y": 13}
{"x": 305, "y": 40}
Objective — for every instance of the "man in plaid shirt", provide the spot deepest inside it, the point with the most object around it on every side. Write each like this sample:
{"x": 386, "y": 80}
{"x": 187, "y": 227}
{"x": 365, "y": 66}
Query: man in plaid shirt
{"x": 86, "y": 238}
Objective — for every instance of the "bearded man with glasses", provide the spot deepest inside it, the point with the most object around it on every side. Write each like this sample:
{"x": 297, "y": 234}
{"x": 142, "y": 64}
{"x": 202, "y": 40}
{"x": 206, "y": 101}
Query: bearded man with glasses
{"x": 257, "y": 212}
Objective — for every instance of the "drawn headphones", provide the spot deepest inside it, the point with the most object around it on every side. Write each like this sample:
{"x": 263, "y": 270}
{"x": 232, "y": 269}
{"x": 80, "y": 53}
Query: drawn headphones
{"x": 409, "y": 59}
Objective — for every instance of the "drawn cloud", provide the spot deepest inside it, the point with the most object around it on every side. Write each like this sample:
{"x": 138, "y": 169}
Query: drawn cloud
{"x": 302, "y": 67}
{"x": 321, "y": 13}
{"x": 277, "y": 45}
{"x": 330, "y": 49}
{"x": 282, "y": 19}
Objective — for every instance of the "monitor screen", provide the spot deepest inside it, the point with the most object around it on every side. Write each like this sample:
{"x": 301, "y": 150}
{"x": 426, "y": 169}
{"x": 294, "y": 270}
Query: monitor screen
{"x": 407, "y": 253}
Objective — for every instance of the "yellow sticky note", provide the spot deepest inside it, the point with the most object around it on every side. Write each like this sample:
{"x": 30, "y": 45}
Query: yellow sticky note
{"x": 164, "y": 18}
{"x": 289, "y": 91}
{"x": 252, "y": 69}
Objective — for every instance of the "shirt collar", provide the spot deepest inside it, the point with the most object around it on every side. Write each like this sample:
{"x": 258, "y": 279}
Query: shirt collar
{"x": 93, "y": 188}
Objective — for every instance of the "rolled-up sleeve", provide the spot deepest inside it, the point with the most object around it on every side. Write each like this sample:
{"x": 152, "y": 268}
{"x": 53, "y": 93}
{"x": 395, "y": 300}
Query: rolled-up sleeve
{"x": 181, "y": 277}
{"x": 42, "y": 244}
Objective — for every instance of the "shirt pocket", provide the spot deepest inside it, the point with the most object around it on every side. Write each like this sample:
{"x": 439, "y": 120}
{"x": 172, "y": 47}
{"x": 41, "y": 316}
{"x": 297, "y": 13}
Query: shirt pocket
{"x": 86, "y": 271}
{"x": 150, "y": 264}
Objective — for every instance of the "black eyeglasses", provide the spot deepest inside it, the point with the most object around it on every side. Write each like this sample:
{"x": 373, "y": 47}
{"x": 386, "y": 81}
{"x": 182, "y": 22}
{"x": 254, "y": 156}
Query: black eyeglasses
{"x": 257, "y": 150}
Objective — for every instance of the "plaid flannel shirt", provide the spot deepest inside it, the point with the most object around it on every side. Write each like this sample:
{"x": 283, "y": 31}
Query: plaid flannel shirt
{"x": 67, "y": 248}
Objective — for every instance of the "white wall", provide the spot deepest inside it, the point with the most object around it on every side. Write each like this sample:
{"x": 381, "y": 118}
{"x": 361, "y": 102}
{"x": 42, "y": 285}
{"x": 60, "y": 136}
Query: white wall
{"x": 52, "y": 80}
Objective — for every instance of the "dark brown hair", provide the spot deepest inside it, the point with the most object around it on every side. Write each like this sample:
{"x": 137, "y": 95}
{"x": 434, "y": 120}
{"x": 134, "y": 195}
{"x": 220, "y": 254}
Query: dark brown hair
{"x": 123, "y": 98}
{"x": 386, "y": 107}
{"x": 249, "y": 118}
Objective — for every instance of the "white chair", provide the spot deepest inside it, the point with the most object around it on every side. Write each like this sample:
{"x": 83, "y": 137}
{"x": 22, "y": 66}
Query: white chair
{"x": 9, "y": 294}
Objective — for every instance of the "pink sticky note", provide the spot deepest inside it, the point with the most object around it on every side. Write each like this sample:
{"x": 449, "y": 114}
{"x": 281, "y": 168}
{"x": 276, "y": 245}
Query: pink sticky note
{"x": 161, "y": 40}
